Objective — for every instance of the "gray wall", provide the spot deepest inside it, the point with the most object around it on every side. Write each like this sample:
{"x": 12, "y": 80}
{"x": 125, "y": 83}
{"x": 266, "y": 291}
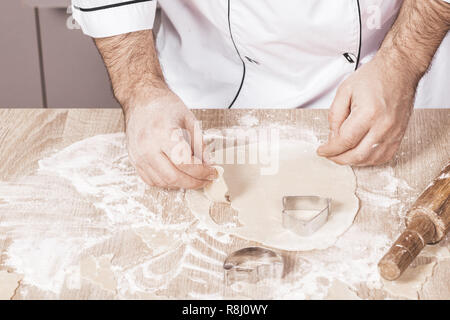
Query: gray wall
{"x": 20, "y": 84}
{"x": 45, "y": 62}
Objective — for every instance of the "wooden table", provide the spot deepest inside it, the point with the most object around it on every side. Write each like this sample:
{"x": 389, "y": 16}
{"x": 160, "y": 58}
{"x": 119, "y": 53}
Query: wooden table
{"x": 36, "y": 208}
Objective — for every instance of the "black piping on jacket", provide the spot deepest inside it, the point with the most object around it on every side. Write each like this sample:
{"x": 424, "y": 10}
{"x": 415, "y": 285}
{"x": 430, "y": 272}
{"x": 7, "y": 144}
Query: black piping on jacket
{"x": 109, "y": 6}
{"x": 360, "y": 34}
{"x": 240, "y": 57}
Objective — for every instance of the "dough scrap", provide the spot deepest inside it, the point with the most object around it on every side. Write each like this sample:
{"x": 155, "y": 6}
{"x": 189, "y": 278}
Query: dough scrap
{"x": 217, "y": 190}
{"x": 258, "y": 198}
{"x": 9, "y": 282}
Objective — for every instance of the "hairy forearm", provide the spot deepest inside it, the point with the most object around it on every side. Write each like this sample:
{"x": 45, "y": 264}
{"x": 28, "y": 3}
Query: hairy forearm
{"x": 132, "y": 65}
{"x": 415, "y": 36}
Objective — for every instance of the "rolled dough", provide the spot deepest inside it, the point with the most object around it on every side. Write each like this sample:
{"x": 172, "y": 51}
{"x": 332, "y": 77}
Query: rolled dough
{"x": 258, "y": 198}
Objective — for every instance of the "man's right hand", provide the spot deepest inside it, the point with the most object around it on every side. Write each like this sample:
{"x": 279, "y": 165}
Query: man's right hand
{"x": 165, "y": 142}
{"x": 155, "y": 117}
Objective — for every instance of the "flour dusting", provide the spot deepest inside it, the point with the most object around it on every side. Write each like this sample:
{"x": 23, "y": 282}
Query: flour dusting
{"x": 87, "y": 201}
{"x": 248, "y": 120}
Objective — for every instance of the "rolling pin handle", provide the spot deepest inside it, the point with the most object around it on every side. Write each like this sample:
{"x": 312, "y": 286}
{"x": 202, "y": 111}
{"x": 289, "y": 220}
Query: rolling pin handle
{"x": 419, "y": 233}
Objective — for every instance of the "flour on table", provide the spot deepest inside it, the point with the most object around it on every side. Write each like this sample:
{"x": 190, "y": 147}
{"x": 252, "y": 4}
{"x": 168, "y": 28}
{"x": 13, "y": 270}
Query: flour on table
{"x": 248, "y": 120}
{"x": 340, "y": 291}
{"x": 84, "y": 219}
{"x": 389, "y": 186}
{"x": 8, "y": 284}
{"x": 411, "y": 281}
{"x": 98, "y": 270}
{"x": 85, "y": 204}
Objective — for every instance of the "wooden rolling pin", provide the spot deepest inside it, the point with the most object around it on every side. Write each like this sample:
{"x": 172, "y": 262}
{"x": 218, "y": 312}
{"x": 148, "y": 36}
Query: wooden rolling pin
{"x": 427, "y": 222}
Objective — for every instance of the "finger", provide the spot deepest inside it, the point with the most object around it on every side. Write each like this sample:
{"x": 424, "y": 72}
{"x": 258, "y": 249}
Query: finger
{"x": 378, "y": 146}
{"x": 384, "y": 155}
{"x": 178, "y": 150}
{"x": 352, "y": 131}
{"x": 363, "y": 154}
{"x": 179, "y": 154}
{"x": 148, "y": 174}
{"x": 157, "y": 180}
{"x": 173, "y": 176}
{"x": 145, "y": 177}
{"x": 340, "y": 109}
{"x": 199, "y": 171}
{"x": 196, "y": 135}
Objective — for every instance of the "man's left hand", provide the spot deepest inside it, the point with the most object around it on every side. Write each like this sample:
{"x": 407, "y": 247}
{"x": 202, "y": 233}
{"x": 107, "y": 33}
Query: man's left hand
{"x": 370, "y": 114}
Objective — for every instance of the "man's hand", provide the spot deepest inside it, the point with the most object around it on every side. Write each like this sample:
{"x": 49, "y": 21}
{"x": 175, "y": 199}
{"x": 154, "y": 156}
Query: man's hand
{"x": 369, "y": 116}
{"x": 371, "y": 110}
{"x": 164, "y": 142}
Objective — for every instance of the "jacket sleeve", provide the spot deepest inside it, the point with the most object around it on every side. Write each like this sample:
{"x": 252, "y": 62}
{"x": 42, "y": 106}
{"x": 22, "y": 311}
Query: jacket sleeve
{"x": 104, "y": 18}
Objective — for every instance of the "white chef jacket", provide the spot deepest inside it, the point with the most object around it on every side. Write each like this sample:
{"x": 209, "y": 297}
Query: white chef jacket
{"x": 262, "y": 53}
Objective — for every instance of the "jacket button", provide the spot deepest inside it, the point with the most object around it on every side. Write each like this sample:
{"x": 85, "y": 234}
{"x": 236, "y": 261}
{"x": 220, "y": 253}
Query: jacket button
{"x": 251, "y": 60}
{"x": 351, "y": 58}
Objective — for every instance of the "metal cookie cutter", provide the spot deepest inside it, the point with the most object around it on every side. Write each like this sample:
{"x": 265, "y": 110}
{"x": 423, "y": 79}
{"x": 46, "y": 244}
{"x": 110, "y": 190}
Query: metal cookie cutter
{"x": 304, "y": 215}
{"x": 252, "y": 265}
